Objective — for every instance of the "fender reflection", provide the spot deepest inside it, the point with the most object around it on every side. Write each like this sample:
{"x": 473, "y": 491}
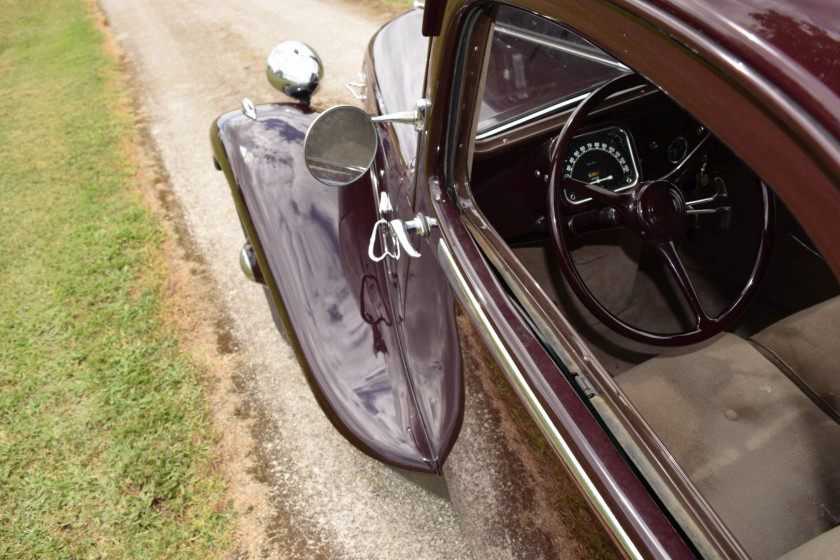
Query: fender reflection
{"x": 506, "y": 361}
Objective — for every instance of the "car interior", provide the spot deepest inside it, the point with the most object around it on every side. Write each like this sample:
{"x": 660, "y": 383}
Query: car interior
{"x": 751, "y": 414}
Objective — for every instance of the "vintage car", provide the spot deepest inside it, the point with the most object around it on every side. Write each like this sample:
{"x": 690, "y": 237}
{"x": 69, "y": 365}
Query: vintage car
{"x": 595, "y": 234}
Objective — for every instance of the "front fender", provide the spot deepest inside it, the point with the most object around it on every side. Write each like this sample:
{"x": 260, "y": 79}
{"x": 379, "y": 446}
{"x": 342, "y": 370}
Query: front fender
{"x": 311, "y": 245}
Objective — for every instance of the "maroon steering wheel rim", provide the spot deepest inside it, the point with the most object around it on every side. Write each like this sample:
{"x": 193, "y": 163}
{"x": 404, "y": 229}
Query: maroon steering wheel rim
{"x": 640, "y": 210}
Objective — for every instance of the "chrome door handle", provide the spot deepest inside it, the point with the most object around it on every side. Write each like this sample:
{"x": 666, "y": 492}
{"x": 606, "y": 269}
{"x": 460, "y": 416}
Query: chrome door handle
{"x": 421, "y": 225}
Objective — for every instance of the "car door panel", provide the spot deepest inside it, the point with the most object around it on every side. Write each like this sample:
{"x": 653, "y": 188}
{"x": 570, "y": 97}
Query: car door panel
{"x": 311, "y": 243}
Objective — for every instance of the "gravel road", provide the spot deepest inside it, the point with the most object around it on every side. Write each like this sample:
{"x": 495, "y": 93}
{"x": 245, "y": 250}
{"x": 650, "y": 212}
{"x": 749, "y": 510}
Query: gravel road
{"x": 315, "y": 495}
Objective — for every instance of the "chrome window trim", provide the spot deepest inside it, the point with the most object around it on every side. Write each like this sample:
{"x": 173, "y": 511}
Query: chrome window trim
{"x": 557, "y": 46}
{"x": 556, "y": 108}
{"x": 507, "y": 362}
{"x": 579, "y": 52}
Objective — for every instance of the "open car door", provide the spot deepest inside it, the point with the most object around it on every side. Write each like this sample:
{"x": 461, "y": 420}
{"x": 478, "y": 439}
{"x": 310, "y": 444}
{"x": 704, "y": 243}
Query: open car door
{"x": 374, "y": 332}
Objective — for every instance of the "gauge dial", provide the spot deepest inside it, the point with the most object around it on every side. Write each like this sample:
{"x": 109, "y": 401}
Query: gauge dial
{"x": 604, "y": 158}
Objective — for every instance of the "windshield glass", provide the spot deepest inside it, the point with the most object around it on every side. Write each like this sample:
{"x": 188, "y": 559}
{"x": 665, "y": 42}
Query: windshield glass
{"x": 536, "y": 68}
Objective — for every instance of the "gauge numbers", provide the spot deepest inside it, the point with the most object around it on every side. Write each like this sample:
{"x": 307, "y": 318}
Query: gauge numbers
{"x": 603, "y": 157}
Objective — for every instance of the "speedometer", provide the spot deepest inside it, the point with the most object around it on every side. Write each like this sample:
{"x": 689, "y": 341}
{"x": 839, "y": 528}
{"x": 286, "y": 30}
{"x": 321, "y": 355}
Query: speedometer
{"x": 603, "y": 157}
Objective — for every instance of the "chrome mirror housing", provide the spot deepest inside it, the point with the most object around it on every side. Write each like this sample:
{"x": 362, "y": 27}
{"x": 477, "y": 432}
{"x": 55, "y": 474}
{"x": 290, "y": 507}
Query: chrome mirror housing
{"x": 340, "y": 145}
{"x": 294, "y": 69}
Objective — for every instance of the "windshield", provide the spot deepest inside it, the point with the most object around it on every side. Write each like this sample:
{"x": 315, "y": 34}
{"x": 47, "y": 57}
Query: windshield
{"x": 536, "y": 68}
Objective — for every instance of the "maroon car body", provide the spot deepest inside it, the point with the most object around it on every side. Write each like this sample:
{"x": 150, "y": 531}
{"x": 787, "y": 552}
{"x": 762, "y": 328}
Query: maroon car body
{"x": 723, "y": 126}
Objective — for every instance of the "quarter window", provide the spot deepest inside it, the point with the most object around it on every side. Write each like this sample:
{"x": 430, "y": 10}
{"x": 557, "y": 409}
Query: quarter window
{"x": 536, "y": 68}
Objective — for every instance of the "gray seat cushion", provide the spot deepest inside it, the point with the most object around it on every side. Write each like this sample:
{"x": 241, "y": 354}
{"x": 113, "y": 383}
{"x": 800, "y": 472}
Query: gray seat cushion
{"x": 824, "y": 547}
{"x": 804, "y": 346}
{"x": 762, "y": 453}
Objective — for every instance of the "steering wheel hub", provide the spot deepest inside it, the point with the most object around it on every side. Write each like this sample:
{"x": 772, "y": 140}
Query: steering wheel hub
{"x": 660, "y": 208}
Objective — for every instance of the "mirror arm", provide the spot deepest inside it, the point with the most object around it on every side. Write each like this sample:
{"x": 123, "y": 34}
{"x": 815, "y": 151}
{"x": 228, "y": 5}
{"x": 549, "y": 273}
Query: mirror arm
{"x": 417, "y": 117}
{"x": 407, "y": 117}
{"x": 339, "y": 141}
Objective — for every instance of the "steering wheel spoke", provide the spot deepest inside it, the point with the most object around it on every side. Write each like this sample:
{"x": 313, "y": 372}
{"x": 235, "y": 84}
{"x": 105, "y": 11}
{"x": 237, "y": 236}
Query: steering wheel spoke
{"x": 668, "y": 252}
{"x": 593, "y": 221}
{"x": 653, "y": 210}
{"x": 600, "y": 194}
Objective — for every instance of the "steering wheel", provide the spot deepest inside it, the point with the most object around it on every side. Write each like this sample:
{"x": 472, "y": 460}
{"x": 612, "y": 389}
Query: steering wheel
{"x": 656, "y": 212}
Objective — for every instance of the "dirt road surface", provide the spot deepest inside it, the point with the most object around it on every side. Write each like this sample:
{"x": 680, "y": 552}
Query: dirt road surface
{"x": 301, "y": 491}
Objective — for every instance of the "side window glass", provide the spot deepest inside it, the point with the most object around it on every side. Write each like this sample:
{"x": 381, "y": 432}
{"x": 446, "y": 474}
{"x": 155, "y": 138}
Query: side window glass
{"x": 537, "y": 67}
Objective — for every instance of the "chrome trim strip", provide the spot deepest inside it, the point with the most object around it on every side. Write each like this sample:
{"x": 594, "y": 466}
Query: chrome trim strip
{"x": 558, "y": 46}
{"x": 506, "y": 361}
{"x": 576, "y": 51}
{"x": 533, "y": 116}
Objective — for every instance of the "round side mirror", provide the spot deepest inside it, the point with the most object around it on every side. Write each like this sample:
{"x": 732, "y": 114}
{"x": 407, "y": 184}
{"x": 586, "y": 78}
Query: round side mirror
{"x": 340, "y": 145}
{"x": 294, "y": 69}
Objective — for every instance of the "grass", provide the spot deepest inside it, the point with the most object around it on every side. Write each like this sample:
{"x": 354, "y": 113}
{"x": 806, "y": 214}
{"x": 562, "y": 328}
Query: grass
{"x": 388, "y": 7}
{"x": 105, "y": 446}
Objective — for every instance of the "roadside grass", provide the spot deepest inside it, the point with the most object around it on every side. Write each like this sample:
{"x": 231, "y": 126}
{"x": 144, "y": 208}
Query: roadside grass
{"x": 105, "y": 442}
{"x": 389, "y": 8}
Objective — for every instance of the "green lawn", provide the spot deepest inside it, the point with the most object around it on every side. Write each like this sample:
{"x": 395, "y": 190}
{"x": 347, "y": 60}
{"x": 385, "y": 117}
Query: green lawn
{"x": 105, "y": 444}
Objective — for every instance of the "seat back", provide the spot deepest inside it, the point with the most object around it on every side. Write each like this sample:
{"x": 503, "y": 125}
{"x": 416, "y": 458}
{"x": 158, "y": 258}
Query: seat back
{"x": 805, "y": 347}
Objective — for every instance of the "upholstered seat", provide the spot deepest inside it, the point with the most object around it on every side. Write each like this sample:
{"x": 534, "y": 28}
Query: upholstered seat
{"x": 826, "y": 545}
{"x": 804, "y": 346}
{"x": 761, "y": 452}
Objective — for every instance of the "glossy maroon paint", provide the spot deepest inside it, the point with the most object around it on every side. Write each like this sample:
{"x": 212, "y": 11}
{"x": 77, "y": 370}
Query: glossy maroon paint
{"x": 795, "y": 45}
{"x": 418, "y": 288}
{"x": 433, "y": 17}
{"x": 311, "y": 242}
{"x": 780, "y": 90}
{"x": 394, "y": 64}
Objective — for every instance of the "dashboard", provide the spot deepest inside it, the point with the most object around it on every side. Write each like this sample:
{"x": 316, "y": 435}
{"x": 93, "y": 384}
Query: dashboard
{"x": 641, "y": 137}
